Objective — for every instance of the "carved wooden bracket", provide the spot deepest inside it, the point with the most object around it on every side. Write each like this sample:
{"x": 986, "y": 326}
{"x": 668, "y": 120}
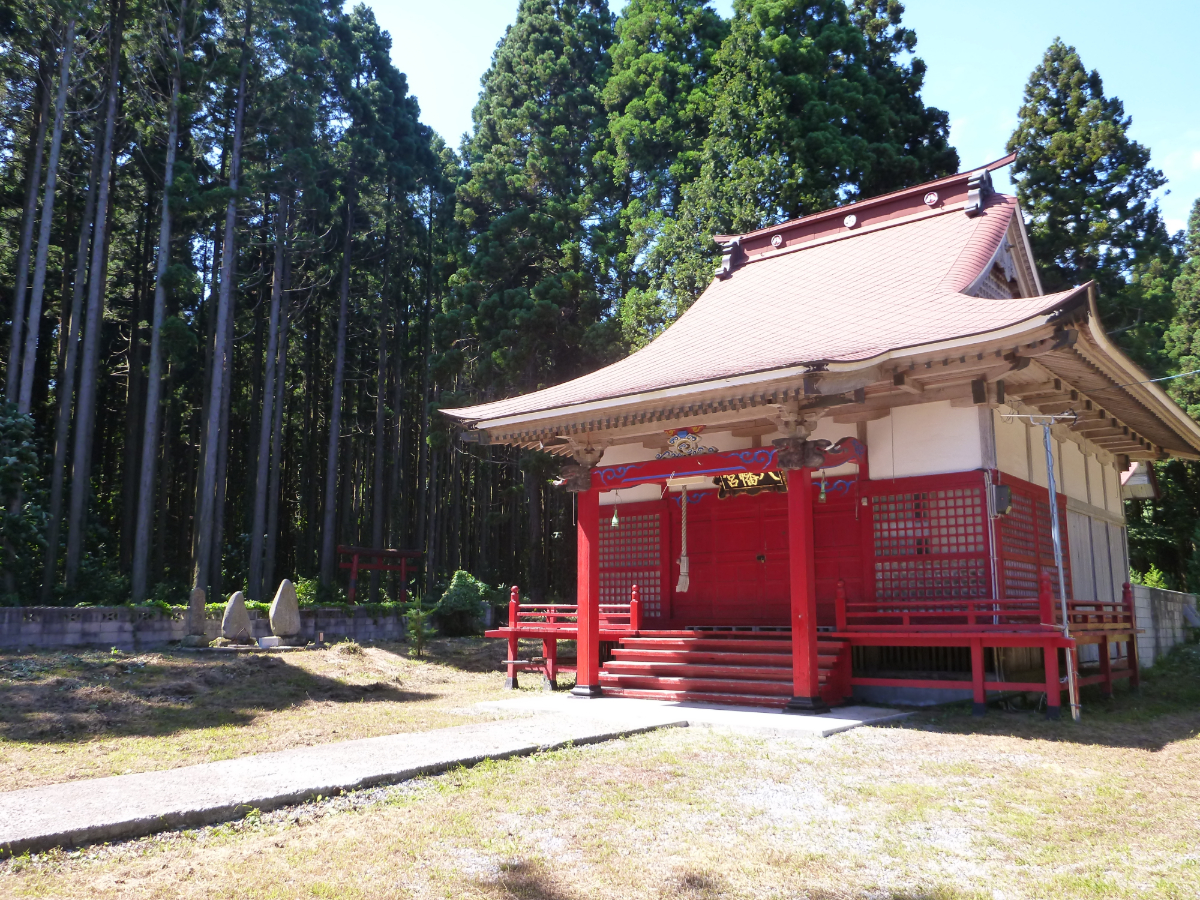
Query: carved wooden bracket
{"x": 576, "y": 479}
{"x": 798, "y": 453}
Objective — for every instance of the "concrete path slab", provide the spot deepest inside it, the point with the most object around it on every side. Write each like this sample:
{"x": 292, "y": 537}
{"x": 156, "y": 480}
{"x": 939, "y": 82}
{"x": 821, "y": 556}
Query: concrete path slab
{"x": 127, "y": 806}
{"x": 746, "y": 719}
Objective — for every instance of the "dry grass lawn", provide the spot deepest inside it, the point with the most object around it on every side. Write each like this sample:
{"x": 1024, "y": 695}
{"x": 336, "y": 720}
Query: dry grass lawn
{"x": 942, "y": 807}
{"x": 66, "y": 716}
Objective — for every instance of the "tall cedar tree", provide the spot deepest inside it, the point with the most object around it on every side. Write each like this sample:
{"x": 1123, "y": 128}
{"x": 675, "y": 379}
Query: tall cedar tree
{"x": 1088, "y": 189}
{"x": 659, "y": 105}
{"x": 528, "y": 297}
{"x": 814, "y": 104}
{"x": 1164, "y": 534}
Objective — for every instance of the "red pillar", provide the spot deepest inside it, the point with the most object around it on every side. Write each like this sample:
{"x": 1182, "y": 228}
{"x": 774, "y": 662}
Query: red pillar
{"x": 587, "y": 676}
{"x": 979, "y": 706}
{"x": 806, "y": 683}
{"x": 1053, "y": 685}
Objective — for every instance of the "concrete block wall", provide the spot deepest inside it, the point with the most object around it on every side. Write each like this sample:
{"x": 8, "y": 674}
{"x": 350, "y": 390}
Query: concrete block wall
{"x": 53, "y": 627}
{"x": 1161, "y": 616}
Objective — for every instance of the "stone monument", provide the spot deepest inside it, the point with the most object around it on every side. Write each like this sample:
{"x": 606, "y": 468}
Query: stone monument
{"x": 195, "y": 621}
{"x": 285, "y": 613}
{"x": 235, "y": 624}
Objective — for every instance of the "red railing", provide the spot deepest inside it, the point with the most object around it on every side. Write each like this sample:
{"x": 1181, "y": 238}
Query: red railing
{"x": 564, "y": 616}
{"x": 1041, "y": 613}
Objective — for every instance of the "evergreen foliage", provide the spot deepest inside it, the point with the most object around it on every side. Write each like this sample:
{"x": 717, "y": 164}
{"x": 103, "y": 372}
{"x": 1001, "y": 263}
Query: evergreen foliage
{"x": 814, "y": 104}
{"x": 1088, "y": 189}
{"x": 1183, "y": 337}
{"x": 372, "y": 273}
{"x": 526, "y": 299}
{"x": 461, "y": 607}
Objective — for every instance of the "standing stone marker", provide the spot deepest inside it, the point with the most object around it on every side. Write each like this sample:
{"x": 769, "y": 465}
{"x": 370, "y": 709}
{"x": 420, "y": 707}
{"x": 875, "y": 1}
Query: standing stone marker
{"x": 285, "y": 612}
{"x": 195, "y": 620}
{"x": 235, "y": 624}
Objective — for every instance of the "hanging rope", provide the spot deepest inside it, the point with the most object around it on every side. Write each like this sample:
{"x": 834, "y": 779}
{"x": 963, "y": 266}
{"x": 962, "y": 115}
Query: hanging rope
{"x": 682, "y": 586}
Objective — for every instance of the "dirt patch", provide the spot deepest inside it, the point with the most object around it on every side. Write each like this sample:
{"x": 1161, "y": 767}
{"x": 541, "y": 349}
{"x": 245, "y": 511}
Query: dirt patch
{"x": 78, "y": 715}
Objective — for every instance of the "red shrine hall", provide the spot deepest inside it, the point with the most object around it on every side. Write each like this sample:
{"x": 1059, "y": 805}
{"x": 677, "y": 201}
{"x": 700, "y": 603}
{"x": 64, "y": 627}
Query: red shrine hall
{"x": 828, "y": 479}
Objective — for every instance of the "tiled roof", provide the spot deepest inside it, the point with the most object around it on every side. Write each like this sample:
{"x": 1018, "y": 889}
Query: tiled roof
{"x": 829, "y": 294}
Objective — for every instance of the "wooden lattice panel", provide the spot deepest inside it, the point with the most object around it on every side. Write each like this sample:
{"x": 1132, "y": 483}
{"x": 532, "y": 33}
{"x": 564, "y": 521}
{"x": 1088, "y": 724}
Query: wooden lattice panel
{"x": 931, "y": 544}
{"x": 631, "y": 554}
{"x": 1026, "y": 542}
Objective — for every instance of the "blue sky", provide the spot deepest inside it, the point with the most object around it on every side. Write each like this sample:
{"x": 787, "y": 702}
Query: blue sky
{"x": 979, "y": 57}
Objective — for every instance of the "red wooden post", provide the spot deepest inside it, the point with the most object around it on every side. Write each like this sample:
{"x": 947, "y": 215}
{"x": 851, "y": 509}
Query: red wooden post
{"x": 635, "y": 610}
{"x": 979, "y": 707}
{"x": 587, "y": 672}
{"x": 1053, "y": 687}
{"x": 514, "y": 603}
{"x": 550, "y": 654}
{"x": 1131, "y": 647}
{"x": 353, "y": 577}
{"x": 839, "y": 599}
{"x": 1046, "y": 599}
{"x": 806, "y": 683}
{"x": 1106, "y": 669}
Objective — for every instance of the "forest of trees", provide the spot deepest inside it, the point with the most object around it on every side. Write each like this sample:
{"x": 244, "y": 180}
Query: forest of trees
{"x": 240, "y": 276}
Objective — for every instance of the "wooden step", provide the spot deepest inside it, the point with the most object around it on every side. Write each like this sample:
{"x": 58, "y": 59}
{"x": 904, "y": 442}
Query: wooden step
{"x": 711, "y": 685}
{"x": 687, "y": 670}
{"x": 706, "y": 644}
{"x": 698, "y": 697}
{"x": 703, "y": 656}
{"x": 744, "y": 660}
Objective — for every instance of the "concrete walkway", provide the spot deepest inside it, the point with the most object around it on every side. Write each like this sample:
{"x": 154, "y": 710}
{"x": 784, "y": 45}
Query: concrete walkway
{"x": 127, "y": 806}
{"x": 743, "y": 719}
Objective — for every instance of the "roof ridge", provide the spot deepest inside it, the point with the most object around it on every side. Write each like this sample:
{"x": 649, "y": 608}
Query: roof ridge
{"x": 869, "y": 202}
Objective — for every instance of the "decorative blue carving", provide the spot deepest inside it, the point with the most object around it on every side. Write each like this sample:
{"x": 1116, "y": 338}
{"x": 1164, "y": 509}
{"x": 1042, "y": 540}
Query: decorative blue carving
{"x": 684, "y": 442}
{"x": 615, "y": 473}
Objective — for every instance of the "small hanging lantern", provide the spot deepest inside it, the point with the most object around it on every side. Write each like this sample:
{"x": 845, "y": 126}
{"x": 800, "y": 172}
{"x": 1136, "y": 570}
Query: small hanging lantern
{"x": 821, "y": 496}
{"x": 615, "y": 521}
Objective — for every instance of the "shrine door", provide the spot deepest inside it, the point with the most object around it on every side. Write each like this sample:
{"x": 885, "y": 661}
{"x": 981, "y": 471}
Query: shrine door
{"x": 738, "y": 556}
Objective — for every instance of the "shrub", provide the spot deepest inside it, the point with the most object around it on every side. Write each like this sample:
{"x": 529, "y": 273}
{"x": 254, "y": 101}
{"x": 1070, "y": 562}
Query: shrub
{"x": 462, "y": 606}
{"x": 418, "y": 632}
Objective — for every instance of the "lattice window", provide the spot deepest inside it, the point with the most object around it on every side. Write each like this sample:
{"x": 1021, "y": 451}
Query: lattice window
{"x": 930, "y": 544}
{"x": 631, "y": 554}
{"x": 1027, "y": 543}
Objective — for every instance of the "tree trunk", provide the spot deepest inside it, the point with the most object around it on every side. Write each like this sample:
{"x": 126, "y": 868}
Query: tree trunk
{"x": 328, "y": 537}
{"x": 85, "y": 408}
{"x": 65, "y": 383}
{"x": 267, "y": 420}
{"x": 33, "y": 331}
{"x": 151, "y": 431}
{"x": 280, "y": 366}
{"x": 206, "y": 488}
{"x": 12, "y": 382}
{"x": 378, "y": 497}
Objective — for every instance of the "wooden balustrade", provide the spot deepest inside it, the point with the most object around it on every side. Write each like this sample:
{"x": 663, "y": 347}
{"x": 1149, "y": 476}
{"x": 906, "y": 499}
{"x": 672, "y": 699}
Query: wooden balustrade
{"x": 1041, "y": 613}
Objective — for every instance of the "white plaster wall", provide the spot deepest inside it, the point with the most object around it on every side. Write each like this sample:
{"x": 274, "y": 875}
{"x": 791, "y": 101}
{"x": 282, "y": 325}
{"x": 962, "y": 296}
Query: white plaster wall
{"x": 1095, "y": 471}
{"x": 1012, "y": 444}
{"x": 1112, "y": 491}
{"x": 1074, "y": 471}
{"x": 639, "y": 494}
{"x": 619, "y": 454}
{"x": 925, "y": 439}
{"x": 1037, "y": 458}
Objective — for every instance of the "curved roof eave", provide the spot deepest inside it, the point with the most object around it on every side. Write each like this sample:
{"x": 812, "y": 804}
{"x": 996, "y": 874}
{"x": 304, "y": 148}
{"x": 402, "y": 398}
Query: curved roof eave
{"x": 1063, "y": 302}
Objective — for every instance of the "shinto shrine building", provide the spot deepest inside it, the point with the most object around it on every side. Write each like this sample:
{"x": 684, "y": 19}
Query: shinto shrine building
{"x": 825, "y": 481}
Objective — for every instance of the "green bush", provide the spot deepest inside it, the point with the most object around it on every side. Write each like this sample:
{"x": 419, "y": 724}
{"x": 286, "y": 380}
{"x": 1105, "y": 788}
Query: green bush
{"x": 461, "y": 607}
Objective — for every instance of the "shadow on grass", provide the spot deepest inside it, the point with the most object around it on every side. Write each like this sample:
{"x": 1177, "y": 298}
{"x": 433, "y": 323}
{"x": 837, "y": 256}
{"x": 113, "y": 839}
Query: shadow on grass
{"x": 64, "y": 698}
{"x": 1163, "y": 710}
